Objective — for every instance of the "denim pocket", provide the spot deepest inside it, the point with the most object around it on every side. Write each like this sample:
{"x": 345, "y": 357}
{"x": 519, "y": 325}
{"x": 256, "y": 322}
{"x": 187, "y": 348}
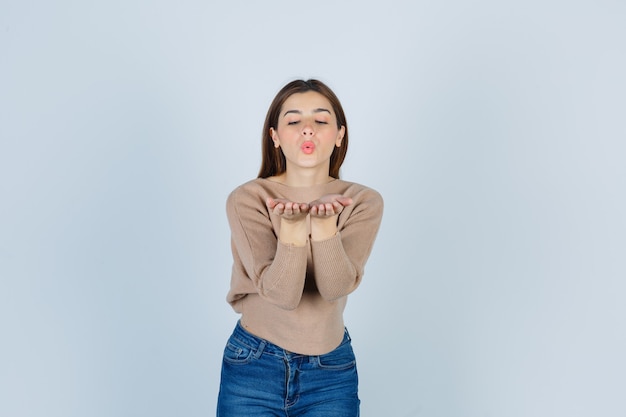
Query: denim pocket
{"x": 339, "y": 359}
{"x": 237, "y": 353}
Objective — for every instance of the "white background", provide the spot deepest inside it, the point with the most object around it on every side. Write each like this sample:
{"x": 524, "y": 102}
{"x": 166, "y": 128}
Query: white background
{"x": 494, "y": 130}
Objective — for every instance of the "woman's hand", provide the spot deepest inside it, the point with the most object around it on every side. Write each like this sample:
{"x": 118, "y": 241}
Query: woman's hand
{"x": 324, "y": 212}
{"x": 329, "y": 205}
{"x": 286, "y": 209}
{"x": 293, "y": 225}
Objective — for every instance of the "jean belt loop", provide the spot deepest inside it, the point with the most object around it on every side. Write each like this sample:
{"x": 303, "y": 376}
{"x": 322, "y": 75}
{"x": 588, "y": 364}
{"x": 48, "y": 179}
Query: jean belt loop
{"x": 260, "y": 349}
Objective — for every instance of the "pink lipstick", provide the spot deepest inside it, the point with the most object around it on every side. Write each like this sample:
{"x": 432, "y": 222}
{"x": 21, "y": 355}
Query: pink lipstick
{"x": 308, "y": 147}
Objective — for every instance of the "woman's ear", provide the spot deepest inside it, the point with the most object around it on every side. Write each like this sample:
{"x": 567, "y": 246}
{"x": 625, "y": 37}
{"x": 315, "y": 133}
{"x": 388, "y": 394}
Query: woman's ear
{"x": 342, "y": 132}
{"x": 274, "y": 136}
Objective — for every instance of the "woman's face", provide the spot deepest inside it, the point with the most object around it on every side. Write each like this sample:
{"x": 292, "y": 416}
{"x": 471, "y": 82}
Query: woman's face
{"x": 307, "y": 131}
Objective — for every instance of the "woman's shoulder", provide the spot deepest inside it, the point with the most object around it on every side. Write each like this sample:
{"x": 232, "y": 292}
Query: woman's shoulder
{"x": 251, "y": 191}
{"x": 258, "y": 190}
{"x": 249, "y": 186}
{"x": 355, "y": 189}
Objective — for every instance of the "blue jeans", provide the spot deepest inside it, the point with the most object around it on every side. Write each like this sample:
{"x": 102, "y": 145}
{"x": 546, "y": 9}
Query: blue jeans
{"x": 262, "y": 379}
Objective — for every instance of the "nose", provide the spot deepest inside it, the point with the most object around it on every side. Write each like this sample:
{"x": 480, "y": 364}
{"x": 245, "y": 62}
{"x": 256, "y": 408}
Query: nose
{"x": 307, "y": 129}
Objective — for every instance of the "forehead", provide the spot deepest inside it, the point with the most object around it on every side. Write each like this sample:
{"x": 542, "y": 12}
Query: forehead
{"x": 309, "y": 100}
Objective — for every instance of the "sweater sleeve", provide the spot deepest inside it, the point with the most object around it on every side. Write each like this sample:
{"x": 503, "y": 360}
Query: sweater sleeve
{"x": 339, "y": 261}
{"x": 276, "y": 270}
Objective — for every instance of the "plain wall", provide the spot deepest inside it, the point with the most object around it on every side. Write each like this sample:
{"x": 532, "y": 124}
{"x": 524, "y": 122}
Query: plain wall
{"x": 494, "y": 130}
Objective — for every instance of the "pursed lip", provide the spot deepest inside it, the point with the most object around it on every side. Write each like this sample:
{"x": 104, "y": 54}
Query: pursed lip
{"x": 308, "y": 146}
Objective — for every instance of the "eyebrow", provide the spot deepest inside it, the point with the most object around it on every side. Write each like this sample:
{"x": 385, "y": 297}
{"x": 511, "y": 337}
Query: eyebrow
{"x": 318, "y": 110}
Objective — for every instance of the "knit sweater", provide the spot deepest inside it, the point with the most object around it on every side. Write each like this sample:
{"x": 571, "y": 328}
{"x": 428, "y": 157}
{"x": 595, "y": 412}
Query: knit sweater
{"x": 294, "y": 296}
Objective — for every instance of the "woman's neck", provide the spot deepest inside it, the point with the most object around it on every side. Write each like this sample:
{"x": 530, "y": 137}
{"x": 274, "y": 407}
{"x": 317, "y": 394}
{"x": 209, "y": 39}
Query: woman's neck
{"x": 300, "y": 178}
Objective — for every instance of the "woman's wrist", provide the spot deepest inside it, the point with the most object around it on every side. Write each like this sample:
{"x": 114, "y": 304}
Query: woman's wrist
{"x": 323, "y": 227}
{"x": 293, "y": 232}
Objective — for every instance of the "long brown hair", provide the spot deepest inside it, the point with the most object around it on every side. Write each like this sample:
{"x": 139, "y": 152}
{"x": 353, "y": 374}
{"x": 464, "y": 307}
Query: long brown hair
{"x": 274, "y": 162}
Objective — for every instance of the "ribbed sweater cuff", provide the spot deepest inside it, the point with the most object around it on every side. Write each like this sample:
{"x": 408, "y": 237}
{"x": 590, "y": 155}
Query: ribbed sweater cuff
{"x": 287, "y": 276}
{"x": 329, "y": 257}
{"x": 290, "y": 257}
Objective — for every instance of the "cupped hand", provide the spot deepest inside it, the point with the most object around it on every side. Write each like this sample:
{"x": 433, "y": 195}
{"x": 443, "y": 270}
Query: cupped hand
{"x": 329, "y": 205}
{"x": 287, "y": 209}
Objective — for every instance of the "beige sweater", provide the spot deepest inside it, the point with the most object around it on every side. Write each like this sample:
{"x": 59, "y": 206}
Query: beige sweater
{"x": 294, "y": 296}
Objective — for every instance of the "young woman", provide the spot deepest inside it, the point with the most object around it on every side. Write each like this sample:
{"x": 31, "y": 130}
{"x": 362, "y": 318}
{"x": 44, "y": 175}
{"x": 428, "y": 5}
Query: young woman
{"x": 300, "y": 240}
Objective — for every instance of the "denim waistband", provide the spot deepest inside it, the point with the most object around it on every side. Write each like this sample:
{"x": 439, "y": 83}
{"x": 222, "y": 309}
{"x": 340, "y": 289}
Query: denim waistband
{"x": 263, "y": 346}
